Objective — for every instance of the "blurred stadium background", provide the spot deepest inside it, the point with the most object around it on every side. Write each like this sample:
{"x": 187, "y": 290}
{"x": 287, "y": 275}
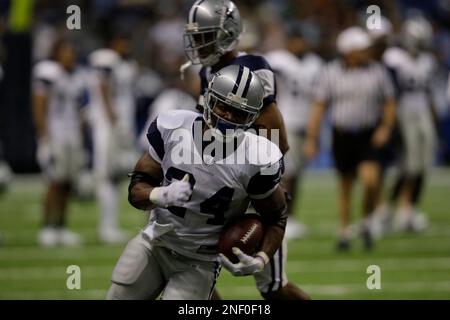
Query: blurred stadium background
{"x": 413, "y": 266}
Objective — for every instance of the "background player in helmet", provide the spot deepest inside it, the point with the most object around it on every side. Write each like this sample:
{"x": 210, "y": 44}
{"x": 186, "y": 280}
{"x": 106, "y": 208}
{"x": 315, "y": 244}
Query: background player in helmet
{"x": 413, "y": 68}
{"x": 57, "y": 87}
{"x": 297, "y": 69}
{"x": 179, "y": 94}
{"x": 192, "y": 200}
{"x": 112, "y": 114}
{"x": 211, "y": 35}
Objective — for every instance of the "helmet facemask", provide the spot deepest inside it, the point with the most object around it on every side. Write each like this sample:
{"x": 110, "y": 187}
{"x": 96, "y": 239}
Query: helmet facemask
{"x": 226, "y": 129}
{"x": 416, "y": 35}
{"x": 201, "y": 46}
{"x": 212, "y": 35}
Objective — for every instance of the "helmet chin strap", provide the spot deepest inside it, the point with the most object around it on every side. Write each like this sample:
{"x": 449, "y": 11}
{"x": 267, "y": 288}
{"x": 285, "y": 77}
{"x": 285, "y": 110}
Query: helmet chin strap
{"x": 183, "y": 69}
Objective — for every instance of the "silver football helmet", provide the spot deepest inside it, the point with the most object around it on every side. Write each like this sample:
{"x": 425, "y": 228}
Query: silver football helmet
{"x": 213, "y": 28}
{"x": 233, "y": 101}
{"x": 417, "y": 33}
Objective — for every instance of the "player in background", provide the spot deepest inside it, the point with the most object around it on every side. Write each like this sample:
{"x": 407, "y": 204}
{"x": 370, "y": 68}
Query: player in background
{"x": 112, "y": 108}
{"x": 413, "y": 68}
{"x": 178, "y": 94}
{"x": 176, "y": 254}
{"x": 211, "y": 35}
{"x": 297, "y": 69}
{"x": 382, "y": 39}
{"x": 57, "y": 86}
{"x": 360, "y": 97}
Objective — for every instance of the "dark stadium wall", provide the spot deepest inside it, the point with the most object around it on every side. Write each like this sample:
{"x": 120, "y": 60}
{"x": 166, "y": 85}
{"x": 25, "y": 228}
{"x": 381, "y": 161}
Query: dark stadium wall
{"x": 16, "y": 128}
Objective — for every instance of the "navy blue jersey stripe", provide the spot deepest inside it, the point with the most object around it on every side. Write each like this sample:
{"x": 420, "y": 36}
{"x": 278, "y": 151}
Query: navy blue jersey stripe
{"x": 254, "y": 63}
{"x": 155, "y": 139}
{"x": 247, "y": 85}
{"x": 203, "y": 79}
{"x": 238, "y": 81}
{"x": 268, "y": 100}
{"x": 260, "y": 183}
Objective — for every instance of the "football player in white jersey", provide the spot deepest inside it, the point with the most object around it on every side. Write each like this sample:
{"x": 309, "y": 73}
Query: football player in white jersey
{"x": 211, "y": 35}
{"x": 198, "y": 174}
{"x": 413, "y": 68}
{"x": 297, "y": 69}
{"x": 57, "y": 87}
{"x": 112, "y": 116}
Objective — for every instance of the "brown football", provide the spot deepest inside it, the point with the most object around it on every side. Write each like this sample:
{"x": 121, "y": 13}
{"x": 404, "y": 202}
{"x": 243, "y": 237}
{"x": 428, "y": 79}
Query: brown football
{"x": 245, "y": 232}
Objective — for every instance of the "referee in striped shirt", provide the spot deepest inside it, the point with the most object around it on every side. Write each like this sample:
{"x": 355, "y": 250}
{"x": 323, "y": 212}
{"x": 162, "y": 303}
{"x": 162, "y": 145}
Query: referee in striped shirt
{"x": 360, "y": 97}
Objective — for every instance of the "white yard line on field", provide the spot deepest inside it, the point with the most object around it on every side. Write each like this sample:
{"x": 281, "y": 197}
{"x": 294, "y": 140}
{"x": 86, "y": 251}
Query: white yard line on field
{"x": 335, "y": 290}
{"x": 293, "y": 267}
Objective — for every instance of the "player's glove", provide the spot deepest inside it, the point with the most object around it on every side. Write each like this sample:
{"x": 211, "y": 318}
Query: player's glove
{"x": 175, "y": 194}
{"x": 247, "y": 265}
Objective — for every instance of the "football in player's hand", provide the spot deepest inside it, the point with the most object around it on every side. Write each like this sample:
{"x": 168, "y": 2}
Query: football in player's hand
{"x": 245, "y": 233}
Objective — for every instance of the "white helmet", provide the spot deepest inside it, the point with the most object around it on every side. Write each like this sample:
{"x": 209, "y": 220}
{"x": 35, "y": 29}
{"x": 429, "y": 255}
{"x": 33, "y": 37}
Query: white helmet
{"x": 353, "y": 38}
{"x": 213, "y": 28}
{"x": 416, "y": 32}
{"x": 385, "y": 29}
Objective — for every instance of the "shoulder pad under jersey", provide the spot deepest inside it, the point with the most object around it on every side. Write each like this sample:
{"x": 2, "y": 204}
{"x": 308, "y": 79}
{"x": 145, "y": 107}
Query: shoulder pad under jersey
{"x": 104, "y": 58}
{"x": 393, "y": 57}
{"x": 261, "y": 151}
{"x": 47, "y": 70}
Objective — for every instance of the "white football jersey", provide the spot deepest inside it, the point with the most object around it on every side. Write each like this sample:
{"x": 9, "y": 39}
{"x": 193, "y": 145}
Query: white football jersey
{"x": 412, "y": 76}
{"x": 125, "y": 76}
{"x": 120, "y": 75}
{"x": 295, "y": 81}
{"x": 64, "y": 91}
{"x": 102, "y": 63}
{"x": 221, "y": 190}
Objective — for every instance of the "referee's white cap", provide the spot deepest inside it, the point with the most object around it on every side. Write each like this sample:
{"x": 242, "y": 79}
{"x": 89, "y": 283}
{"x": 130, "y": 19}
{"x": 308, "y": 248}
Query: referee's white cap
{"x": 351, "y": 39}
{"x": 103, "y": 58}
{"x": 382, "y": 30}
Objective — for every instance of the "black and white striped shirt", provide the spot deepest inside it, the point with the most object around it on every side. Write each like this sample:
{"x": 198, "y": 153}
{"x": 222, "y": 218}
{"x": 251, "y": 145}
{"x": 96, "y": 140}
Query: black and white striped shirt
{"x": 354, "y": 95}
